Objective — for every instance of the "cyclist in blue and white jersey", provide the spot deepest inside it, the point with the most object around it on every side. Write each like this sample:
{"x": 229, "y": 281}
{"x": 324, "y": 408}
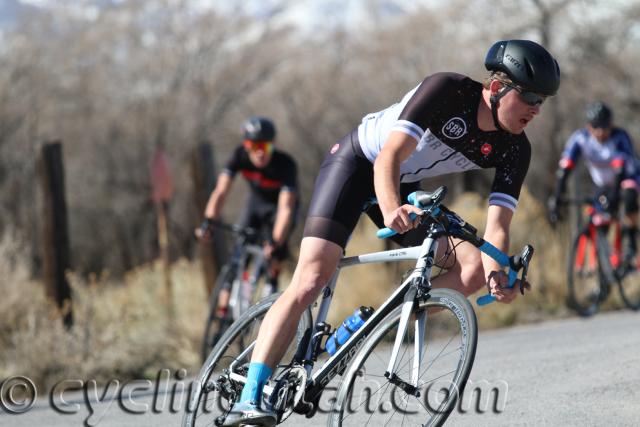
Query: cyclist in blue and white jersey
{"x": 447, "y": 123}
{"x": 610, "y": 158}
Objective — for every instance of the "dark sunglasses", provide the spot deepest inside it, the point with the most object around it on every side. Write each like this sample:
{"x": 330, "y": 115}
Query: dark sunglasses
{"x": 530, "y": 98}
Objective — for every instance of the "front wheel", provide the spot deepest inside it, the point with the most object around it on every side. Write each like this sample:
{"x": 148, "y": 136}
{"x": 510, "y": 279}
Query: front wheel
{"x": 367, "y": 397}
{"x": 217, "y": 386}
{"x": 216, "y": 325}
{"x": 628, "y": 275}
{"x": 585, "y": 276}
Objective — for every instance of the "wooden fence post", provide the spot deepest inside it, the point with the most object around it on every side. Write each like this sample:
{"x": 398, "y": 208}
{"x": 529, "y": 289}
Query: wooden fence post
{"x": 161, "y": 193}
{"x": 56, "y": 246}
{"x": 213, "y": 256}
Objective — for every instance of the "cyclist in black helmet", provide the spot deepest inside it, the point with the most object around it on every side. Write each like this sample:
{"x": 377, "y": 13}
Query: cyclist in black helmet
{"x": 609, "y": 155}
{"x": 272, "y": 202}
{"x": 447, "y": 123}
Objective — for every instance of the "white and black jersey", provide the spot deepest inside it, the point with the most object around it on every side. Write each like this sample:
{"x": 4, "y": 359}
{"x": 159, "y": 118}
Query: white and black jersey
{"x": 441, "y": 115}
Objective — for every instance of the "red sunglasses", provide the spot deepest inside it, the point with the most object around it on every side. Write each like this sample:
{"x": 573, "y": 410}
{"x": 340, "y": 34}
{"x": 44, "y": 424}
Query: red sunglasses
{"x": 265, "y": 146}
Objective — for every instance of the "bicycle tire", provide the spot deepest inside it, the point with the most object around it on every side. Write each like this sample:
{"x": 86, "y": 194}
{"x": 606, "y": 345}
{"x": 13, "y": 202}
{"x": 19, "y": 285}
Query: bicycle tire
{"x": 241, "y": 329}
{"x": 628, "y": 275}
{"x": 462, "y": 313}
{"x": 584, "y": 284}
{"x": 215, "y": 326}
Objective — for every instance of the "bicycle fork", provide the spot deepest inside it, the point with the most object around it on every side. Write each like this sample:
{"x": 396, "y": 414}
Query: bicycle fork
{"x": 418, "y": 291}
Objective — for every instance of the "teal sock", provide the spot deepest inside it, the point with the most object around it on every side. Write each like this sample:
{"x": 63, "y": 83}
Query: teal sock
{"x": 257, "y": 377}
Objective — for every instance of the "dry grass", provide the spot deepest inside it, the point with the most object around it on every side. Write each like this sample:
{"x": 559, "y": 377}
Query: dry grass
{"x": 123, "y": 329}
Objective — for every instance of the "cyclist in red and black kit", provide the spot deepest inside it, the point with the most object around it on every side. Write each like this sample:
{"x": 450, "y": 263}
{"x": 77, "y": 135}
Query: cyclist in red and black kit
{"x": 447, "y": 123}
{"x": 272, "y": 202}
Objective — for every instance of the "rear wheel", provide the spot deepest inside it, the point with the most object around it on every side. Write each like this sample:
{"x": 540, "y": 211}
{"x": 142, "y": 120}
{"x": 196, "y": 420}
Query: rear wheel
{"x": 585, "y": 276}
{"x": 368, "y": 397}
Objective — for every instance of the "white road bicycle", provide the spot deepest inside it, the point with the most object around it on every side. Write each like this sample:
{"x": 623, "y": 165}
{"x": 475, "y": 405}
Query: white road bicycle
{"x": 407, "y": 365}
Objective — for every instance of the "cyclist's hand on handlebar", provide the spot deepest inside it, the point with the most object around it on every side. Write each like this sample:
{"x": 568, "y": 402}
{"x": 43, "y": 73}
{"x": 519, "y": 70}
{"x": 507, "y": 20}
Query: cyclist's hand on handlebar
{"x": 205, "y": 231}
{"x": 498, "y": 286}
{"x": 268, "y": 249}
{"x": 553, "y": 209}
{"x": 399, "y": 219}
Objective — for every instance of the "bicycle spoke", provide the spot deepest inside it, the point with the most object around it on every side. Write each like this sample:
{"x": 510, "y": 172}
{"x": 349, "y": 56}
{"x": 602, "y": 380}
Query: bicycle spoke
{"x": 441, "y": 363}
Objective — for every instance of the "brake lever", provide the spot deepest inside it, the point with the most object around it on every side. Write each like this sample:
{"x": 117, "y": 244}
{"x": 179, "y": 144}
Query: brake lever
{"x": 525, "y": 259}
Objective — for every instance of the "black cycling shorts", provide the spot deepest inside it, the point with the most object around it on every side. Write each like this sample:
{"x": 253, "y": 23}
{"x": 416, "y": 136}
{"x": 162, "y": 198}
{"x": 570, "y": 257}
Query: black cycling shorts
{"x": 260, "y": 214}
{"x": 343, "y": 190}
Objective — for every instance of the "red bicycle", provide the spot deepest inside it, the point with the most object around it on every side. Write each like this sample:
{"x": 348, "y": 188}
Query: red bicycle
{"x": 598, "y": 260}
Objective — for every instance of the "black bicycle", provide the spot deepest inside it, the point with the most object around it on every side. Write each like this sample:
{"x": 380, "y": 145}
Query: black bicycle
{"x": 241, "y": 276}
{"x": 391, "y": 373}
{"x": 598, "y": 260}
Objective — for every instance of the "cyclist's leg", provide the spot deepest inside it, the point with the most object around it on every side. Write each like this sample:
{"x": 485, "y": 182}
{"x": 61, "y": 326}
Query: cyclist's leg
{"x": 464, "y": 272}
{"x": 316, "y": 264}
{"x": 630, "y": 221}
{"x": 278, "y": 257}
{"x": 223, "y": 300}
{"x": 247, "y": 219}
{"x": 344, "y": 182}
{"x": 273, "y": 274}
{"x": 279, "y": 254}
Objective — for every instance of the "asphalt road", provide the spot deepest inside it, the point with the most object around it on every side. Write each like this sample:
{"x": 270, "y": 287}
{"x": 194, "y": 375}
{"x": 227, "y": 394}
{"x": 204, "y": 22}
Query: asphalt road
{"x": 571, "y": 372}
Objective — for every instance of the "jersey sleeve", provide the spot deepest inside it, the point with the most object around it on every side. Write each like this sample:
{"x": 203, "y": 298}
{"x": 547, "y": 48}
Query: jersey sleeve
{"x": 510, "y": 174}
{"x": 234, "y": 162}
{"x": 624, "y": 143}
{"x": 426, "y": 99}
{"x": 624, "y": 146}
{"x": 572, "y": 151}
{"x": 290, "y": 177}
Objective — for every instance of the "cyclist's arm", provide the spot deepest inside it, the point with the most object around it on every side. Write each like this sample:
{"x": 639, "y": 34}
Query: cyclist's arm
{"x": 497, "y": 233}
{"x": 570, "y": 156}
{"x": 284, "y": 217}
{"x": 562, "y": 175}
{"x": 386, "y": 171}
{"x": 218, "y": 196}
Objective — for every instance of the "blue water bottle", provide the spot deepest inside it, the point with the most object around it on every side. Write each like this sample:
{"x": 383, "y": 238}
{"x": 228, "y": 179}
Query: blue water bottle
{"x": 348, "y": 327}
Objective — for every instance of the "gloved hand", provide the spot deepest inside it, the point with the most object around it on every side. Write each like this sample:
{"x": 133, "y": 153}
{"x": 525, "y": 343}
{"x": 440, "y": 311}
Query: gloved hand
{"x": 205, "y": 231}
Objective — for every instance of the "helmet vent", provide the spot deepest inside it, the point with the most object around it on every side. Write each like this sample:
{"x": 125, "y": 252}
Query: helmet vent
{"x": 529, "y": 68}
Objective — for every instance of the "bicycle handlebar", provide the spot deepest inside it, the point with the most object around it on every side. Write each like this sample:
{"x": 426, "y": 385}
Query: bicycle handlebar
{"x": 455, "y": 226}
{"x": 246, "y": 232}
{"x": 417, "y": 199}
{"x": 586, "y": 200}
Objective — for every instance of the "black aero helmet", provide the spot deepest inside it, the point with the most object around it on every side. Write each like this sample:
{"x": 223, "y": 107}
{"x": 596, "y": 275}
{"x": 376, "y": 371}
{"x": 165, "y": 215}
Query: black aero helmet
{"x": 599, "y": 115}
{"x": 527, "y": 64}
{"x": 259, "y": 129}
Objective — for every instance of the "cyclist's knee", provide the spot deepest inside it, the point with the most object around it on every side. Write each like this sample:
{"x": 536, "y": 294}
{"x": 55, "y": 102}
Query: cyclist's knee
{"x": 473, "y": 275}
{"x": 308, "y": 286}
{"x": 630, "y": 200}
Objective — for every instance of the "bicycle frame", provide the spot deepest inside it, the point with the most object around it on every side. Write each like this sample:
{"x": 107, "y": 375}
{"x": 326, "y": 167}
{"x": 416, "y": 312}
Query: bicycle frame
{"x": 417, "y": 285}
{"x": 598, "y": 223}
{"x": 237, "y": 301}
